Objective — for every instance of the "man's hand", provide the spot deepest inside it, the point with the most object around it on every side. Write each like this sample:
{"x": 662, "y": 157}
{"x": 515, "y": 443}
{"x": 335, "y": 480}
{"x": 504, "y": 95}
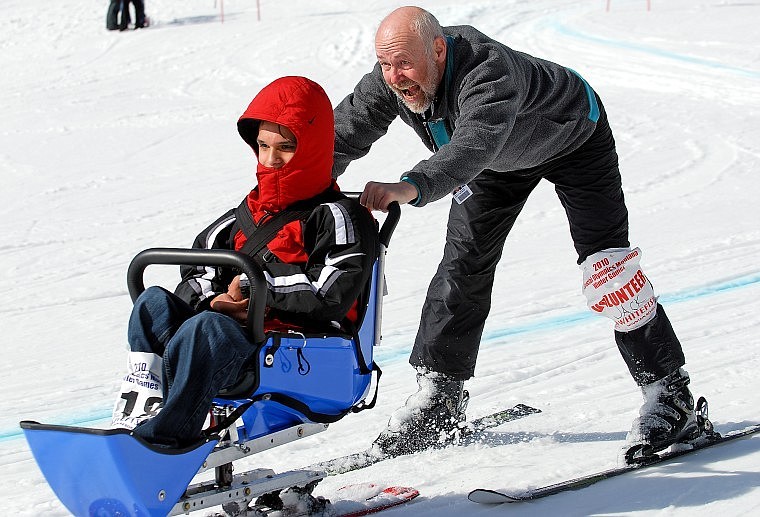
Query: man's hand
{"x": 232, "y": 302}
{"x": 377, "y": 196}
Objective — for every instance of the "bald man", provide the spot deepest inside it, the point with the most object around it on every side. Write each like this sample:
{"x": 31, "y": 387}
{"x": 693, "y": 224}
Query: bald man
{"x": 498, "y": 122}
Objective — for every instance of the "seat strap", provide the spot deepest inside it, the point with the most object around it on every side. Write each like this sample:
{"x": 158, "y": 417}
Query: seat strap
{"x": 258, "y": 236}
{"x": 224, "y": 422}
{"x": 361, "y": 406}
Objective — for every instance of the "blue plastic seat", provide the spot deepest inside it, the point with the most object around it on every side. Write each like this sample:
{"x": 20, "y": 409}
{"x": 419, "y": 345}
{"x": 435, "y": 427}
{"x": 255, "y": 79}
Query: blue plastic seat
{"x": 294, "y": 378}
{"x": 299, "y": 378}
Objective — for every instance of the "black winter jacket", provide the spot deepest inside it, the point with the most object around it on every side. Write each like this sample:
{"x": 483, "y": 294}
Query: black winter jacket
{"x": 340, "y": 239}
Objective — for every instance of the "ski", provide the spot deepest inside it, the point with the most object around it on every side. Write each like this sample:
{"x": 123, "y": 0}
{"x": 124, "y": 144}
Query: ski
{"x": 486, "y": 496}
{"x": 470, "y": 433}
{"x": 366, "y": 498}
{"x": 353, "y": 500}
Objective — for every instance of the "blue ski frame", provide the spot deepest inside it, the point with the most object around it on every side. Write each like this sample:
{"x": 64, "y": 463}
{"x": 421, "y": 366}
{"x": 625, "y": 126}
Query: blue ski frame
{"x": 111, "y": 472}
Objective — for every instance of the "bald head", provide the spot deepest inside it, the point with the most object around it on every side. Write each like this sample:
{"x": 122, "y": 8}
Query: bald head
{"x": 411, "y": 50}
{"x": 410, "y": 22}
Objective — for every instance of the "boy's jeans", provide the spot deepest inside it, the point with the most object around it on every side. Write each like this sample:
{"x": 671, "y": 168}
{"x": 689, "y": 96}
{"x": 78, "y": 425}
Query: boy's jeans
{"x": 202, "y": 353}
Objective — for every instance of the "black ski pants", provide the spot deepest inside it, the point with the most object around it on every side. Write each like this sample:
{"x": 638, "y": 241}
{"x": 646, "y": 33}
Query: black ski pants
{"x": 588, "y": 184}
{"x": 112, "y": 15}
{"x": 115, "y": 7}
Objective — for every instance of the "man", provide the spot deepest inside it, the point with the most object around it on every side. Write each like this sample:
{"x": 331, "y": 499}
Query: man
{"x": 187, "y": 346}
{"x": 499, "y": 121}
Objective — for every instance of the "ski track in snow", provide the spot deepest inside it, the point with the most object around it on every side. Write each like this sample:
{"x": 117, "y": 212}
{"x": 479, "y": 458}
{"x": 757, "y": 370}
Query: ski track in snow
{"x": 113, "y": 143}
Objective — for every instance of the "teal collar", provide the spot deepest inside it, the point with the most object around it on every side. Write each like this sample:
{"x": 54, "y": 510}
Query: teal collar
{"x": 434, "y": 111}
{"x": 449, "y": 63}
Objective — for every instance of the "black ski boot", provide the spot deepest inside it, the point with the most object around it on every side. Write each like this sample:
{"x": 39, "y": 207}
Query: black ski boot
{"x": 429, "y": 419}
{"x": 667, "y": 417}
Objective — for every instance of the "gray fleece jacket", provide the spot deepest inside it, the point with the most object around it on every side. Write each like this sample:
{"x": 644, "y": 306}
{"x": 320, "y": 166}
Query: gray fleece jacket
{"x": 503, "y": 110}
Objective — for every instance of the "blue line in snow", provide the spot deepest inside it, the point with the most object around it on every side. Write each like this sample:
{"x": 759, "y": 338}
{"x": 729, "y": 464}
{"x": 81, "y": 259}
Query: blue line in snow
{"x": 563, "y": 29}
{"x": 571, "y": 319}
{"x": 389, "y": 355}
{"x": 566, "y": 320}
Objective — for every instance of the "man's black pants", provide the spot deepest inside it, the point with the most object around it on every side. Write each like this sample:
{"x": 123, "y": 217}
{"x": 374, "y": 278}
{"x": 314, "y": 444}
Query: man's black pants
{"x": 588, "y": 184}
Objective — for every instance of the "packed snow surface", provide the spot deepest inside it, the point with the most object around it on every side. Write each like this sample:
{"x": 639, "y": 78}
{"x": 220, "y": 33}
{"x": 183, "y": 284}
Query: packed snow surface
{"x": 113, "y": 142}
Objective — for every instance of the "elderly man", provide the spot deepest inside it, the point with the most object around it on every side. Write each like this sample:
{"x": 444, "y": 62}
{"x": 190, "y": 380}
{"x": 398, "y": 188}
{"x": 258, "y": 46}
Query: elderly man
{"x": 499, "y": 121}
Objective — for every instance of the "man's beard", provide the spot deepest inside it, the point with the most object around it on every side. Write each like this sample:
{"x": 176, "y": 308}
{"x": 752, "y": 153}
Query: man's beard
{"x": 428, "y": 90}
{"x": 418, "y": 106}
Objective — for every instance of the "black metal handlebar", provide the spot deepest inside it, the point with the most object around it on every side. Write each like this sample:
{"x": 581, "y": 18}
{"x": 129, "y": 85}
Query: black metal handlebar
{"x": 198, "y": 257}
{"x": 391, "y": 219}
{"x": 233, "y": 259}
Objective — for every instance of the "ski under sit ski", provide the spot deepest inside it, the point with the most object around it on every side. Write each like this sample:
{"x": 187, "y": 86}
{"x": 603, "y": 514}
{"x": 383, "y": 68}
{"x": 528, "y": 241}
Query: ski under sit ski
{"x": 362, "y": 459}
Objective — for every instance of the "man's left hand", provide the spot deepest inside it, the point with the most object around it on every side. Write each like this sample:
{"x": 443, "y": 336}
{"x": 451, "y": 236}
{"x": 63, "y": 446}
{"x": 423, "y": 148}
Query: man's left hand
{"x": 377, "y": 196}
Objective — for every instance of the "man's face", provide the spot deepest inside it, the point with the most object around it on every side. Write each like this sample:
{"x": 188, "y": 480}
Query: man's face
{"x": 410, "y": 71}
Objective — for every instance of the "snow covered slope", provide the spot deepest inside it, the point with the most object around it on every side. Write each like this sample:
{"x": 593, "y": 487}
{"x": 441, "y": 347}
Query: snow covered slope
{"x": 114, "y": 142}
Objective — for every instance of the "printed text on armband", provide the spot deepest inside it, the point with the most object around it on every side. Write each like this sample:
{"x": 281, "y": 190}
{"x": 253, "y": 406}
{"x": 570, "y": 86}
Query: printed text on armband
{"x": 596, "y": 276}
{"x": 625, "y": 293}
{"x": 632, "y": 254}
{"x": 603, "y": 276}
{"x": 638, "y": 314}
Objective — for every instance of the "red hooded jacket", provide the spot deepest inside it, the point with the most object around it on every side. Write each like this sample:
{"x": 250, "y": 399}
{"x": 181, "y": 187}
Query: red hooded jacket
{"x": 315, "y": 269}
{"x": 302, "y": 106}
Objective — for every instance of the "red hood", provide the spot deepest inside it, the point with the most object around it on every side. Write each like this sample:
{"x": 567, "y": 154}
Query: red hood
{"x": 303, "y": 107}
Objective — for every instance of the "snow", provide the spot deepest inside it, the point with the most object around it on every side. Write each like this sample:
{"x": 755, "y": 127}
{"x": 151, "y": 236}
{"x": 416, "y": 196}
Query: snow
{"x": 115, "y": 142}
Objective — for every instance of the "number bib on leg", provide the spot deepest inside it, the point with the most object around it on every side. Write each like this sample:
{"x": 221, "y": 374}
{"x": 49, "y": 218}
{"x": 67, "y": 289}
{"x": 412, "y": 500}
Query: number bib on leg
{"x": 141, "y": 394}
{"x": 616, "y": 287}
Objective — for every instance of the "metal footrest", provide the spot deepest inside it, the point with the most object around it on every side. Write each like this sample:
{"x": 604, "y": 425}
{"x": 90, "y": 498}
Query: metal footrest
{"x": 245, "y": 488}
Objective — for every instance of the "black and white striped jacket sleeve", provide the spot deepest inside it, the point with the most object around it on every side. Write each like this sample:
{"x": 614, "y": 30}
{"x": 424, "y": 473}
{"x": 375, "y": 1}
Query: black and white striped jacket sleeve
{"x": 201, "y": 284}
{"x": 341, "y": 241}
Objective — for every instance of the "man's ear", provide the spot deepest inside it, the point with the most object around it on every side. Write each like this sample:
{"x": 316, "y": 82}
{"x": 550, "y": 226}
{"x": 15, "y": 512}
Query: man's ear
{"x": 439, "y": 49}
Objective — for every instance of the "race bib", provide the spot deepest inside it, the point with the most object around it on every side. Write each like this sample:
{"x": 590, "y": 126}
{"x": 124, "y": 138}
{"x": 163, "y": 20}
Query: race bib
{"x": 616, "y": 287}
{"x": 141, "y": 395}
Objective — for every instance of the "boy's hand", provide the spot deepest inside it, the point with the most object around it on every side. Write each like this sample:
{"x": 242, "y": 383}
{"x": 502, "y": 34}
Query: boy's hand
{"x": 232, "y": 302}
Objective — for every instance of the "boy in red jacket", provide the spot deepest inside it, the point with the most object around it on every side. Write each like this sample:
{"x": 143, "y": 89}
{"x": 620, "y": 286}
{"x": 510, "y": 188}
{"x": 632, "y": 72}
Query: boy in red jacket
{"x": 188, "y": 345}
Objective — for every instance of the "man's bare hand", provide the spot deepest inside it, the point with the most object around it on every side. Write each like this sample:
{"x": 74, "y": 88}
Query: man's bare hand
{"x": 377, "y": 196}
